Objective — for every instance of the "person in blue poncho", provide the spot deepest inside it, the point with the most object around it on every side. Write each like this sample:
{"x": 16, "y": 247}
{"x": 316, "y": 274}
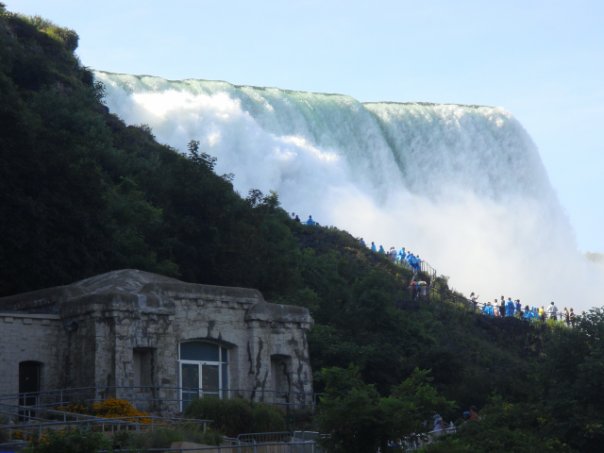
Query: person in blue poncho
{"x": 418, "y": 264}
{"x": 310, "y": 221}
{"x": 488, "y": 309}
{"x": 526, "y": 313}
{"x": 373, "y": 247}
{"x": 509, "y": 307}
{"x": 410, "y": 260}
{"x": 381, "y": 251}
{"x": 401, "y": 255}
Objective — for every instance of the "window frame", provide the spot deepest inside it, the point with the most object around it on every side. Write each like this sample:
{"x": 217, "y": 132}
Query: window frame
{"x": 221, "y": 364}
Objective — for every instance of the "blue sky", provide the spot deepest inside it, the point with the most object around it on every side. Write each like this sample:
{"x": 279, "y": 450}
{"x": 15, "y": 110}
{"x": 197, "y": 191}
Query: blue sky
{"x": 541, "y": 60}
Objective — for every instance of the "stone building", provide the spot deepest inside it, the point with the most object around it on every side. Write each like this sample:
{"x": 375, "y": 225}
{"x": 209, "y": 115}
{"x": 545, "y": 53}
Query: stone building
{"x": 154, "y": 340}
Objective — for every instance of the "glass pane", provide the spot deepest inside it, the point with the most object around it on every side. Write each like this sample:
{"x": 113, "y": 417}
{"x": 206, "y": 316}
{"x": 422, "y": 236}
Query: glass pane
{"x": 209, "y": 379}
{"x": 190, "y": 376}
{"x": 225, "y": 381}
{"x": 196, "y": 350}
{"x": 187, "y": 397}
{"x": 190, "y": 383}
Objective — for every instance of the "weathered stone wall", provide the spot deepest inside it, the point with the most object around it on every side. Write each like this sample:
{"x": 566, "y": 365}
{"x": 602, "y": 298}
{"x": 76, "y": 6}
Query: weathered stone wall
{"x": 30, "y": 337}
{"x": 129, "y": 323}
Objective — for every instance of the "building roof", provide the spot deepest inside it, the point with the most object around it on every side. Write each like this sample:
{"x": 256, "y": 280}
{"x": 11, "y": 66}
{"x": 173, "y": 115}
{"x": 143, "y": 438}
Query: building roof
{"x": 121, "y": 282}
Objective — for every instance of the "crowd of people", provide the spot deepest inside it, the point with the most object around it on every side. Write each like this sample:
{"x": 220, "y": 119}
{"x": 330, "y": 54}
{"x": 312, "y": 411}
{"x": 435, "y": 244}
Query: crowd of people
{"x": 401, "y": 256}
{"x": 417, "y": 288}
{"x": 310, "y": 221}
{"x": 502, "y": 308}
{"x": 508, "y": 308}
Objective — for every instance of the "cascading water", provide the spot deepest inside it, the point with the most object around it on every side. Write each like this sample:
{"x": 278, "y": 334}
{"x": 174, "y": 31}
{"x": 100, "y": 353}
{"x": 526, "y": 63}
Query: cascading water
{"x": 462, "y": 186}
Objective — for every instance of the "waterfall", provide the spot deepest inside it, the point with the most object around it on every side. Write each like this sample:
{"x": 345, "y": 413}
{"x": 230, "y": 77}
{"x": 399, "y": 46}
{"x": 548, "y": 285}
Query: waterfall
{"x": 462, "y": 186}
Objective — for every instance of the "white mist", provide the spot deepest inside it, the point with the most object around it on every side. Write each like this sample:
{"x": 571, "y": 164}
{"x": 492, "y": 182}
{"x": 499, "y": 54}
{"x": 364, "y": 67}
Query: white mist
{"x": 462, "y": 186}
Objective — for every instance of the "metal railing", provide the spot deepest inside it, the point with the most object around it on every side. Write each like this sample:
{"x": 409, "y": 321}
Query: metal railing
{"x": 414, "y": 442}
{"x": 264, "y": 447}
{"x": 29, "y": 422}
{"x": 156, "y": 399}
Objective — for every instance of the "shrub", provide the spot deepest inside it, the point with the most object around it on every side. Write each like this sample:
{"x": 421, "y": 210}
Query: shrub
{"x": 78, "y": 408}
{"x": 158, "y": 438}
{"x": 117, "y": 408}
{"x": 164, "y": 437}
{"x": 72, "y": 441}
{"x": 267, "y": 418}
{"x": 230, "y": 417}
{"x": 237, "y": 416}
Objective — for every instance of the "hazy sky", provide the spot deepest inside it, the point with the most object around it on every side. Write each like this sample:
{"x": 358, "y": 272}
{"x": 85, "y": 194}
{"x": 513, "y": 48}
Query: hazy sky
{"x": 542, "y": 60}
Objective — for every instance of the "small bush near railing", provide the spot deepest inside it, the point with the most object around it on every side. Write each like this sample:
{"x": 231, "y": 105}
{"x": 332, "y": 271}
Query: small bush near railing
{"x": 109, "y": 408}
{"x": 88, "y": 441}
{"x": 230, "y": 417}
{"x": 70, "y": 441}
{"x": 164, "y": 437}
{"x": 236, "y": 416}
{"x": 118, "y": 408}
{"x": 77, "y": 408}
{"x": 266, "y": 418}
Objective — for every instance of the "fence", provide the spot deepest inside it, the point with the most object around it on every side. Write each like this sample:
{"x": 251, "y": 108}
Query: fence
{"x": 47, "y": 411}
{"x": 28, "y": 422}
{"x": 416, "y": 441}
{"x": 264, "y": 447}
{"x": 157, "y": 399}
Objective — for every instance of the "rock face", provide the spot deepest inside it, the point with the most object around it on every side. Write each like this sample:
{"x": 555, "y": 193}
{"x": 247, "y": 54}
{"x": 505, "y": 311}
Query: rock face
{"x": 155, "y": 340}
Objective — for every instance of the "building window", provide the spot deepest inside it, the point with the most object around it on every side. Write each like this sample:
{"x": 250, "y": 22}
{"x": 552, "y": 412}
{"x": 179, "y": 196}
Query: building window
{"x": 203, "y": 371}
{"x": 142, "y": 361}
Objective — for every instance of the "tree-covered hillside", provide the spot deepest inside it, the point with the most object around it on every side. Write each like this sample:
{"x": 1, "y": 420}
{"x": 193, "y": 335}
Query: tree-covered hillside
{"x": 82, "y": 193}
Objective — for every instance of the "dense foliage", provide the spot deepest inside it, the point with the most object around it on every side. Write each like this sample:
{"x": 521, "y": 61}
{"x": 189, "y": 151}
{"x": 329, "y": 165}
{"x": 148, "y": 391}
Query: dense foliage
{"x": 82, "y": 440}
{"x": 236, "y": 416}
{"x": 71, "y": 441}
{"x": 82, "y": 193}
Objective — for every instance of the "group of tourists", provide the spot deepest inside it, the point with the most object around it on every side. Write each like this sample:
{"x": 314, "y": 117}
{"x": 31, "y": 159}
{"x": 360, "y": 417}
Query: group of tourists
{"x": 509, "y": 308}
{"x": 401, "y": 256}
{"x": 310, "y": 221}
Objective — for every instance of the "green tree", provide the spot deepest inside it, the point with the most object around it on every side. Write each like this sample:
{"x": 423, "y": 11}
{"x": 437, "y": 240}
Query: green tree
{"x": 503, "y": 427}
{"x": 412, "y": 403}
{"x": 349, "y": 411}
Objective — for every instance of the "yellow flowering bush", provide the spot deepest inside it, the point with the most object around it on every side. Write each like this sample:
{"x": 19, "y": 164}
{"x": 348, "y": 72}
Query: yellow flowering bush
{"x": 118, "y": 408}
